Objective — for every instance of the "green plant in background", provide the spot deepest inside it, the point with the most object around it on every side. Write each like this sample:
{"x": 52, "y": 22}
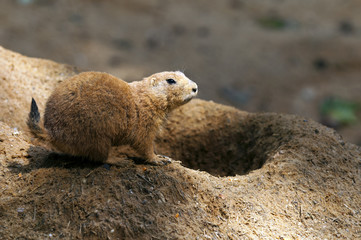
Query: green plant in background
{"x": 272, "y": 22}
{"x": 337, "y": 112}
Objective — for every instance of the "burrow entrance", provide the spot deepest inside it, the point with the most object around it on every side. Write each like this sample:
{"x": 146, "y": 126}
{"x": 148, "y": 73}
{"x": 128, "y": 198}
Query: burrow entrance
{"x": 220, "y": 140}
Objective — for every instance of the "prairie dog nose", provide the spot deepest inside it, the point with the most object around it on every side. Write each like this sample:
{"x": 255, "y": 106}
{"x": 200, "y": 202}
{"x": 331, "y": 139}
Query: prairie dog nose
{"x": 194, "y": 87}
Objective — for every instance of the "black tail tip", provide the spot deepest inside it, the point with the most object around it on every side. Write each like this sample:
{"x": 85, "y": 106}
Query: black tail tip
{"x": 34, "y": 106}
{"x": 34, "y": 114}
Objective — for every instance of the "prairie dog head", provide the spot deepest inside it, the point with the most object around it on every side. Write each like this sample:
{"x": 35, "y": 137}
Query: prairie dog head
{"x": 174, "y": 86}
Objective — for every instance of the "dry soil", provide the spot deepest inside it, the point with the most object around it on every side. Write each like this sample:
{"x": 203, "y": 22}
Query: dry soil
{"x": 236, "y": 175}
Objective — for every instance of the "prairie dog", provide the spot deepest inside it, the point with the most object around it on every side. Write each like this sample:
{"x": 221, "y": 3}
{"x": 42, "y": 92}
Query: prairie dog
{"x": 92, "y": 111}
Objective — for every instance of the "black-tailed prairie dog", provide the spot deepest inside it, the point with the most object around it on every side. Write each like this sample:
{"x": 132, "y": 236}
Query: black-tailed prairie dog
{"x": 92, "y": 111}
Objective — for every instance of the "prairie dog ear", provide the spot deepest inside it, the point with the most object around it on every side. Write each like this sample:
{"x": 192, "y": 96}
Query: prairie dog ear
{"x": 153, "y": 81}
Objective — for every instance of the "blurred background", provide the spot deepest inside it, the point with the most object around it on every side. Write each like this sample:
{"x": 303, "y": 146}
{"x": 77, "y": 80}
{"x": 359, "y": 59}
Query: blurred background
{"x": 285, "y": 56}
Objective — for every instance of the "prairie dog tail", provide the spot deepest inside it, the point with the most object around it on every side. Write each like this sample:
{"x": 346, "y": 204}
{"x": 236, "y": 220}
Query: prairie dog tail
{"x": 33, "y": 122}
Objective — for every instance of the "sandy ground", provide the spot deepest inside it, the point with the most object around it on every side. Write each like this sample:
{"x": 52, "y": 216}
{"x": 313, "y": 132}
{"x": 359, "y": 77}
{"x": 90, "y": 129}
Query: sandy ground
{"x": 262, "y": 175}
{"x": 281, "y": 56}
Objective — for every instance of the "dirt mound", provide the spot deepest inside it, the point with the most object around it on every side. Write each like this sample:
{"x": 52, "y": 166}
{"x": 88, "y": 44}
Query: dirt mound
{"x": 264, "y": 175}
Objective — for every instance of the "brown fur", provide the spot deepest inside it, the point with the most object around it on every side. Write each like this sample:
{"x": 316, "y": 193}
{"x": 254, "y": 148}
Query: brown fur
{"x": 92, "y": 111}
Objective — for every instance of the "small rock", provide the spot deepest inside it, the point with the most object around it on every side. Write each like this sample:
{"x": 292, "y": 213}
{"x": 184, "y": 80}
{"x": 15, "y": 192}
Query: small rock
{"x": 346, "y": 27}
{"x": 16, "y": 132}
{"x": 20, "y": 209}
{"x": 320, "y": 64}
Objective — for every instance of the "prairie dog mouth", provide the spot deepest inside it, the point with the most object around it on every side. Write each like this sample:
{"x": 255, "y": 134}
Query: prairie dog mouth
{"x": 193, "y": 93}
{"x": 188, "y": 99}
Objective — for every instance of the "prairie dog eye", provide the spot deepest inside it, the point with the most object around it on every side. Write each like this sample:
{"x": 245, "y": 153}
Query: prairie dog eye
{"x": 171, "y": 81}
